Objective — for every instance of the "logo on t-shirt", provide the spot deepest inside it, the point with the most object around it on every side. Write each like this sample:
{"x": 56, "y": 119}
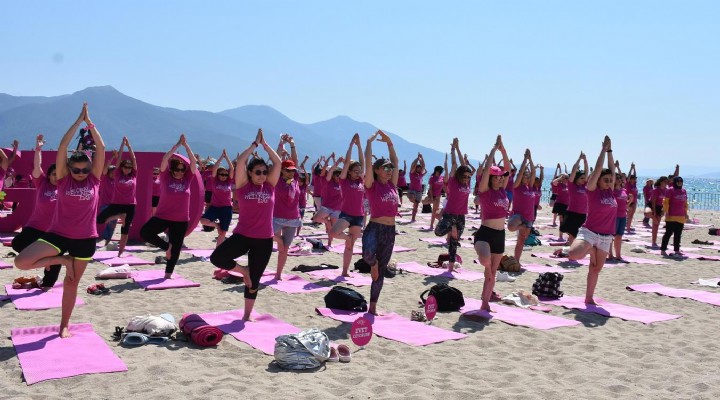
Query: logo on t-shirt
{"x": 390, "y": 197}
{"x": 260, "y": 196}
{"x": 51, "y": 195}
{"x": 82, "y": 193}
{"x": 177, "y": 186}
{"x": 501, "y": 203}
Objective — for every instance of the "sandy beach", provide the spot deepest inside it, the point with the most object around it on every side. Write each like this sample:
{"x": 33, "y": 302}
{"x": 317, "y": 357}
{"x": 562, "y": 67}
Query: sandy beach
{"x": 601, "y": 358}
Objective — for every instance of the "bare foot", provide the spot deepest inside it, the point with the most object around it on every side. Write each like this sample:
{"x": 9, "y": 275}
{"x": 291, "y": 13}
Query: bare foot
{"x": 375, "y": 312}
{"x": 591, "y": 302}
{"x": 168, "y": 276}
{"x": 486, "y": 307}
{"x": 65, "y": 333}
{"x": 46, "y": 288}
{"x": 248, "y": 319}
{"x": 345, "y": 274}
{"x": 375, "y": 272}
{"x": 278, "y": 277}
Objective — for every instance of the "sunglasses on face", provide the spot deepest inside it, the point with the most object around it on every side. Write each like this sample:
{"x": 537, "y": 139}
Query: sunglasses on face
{"x": 606, "y": 180}
{"x": 259, "y": 172}
{"x": 466, "y": 176}
{"x": 77, "y": 171}
{"x": 179, "y": 170}
{"x": 388, "y": 168}
{"x": 156, "y": 174}
{"x": 223, "y": 174}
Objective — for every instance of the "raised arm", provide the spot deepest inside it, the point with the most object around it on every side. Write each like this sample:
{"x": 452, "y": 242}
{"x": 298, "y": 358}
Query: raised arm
{"x": 519, "y": 172}
{"x": 241, "y": 161}
{"x": 167, "y": 156}
{"x": 98, "y": 164}
{"x": 61, "y": 168}
{"x": 532, "y": 169}
{"x": 369, "y": 177}
{"x": 592, "y": 179}
{"x": 558, "y": 171}
{"x": 414, "y": 163}
{"x": 542, "y": 173}
{"x": 6, "y": 162}
{"x": 348, "y": 154}
{"x": 506, "y": 161}
{"x": 37, "y": 160}
{"x": 489, "y": 160}
{"x": 133, "y": 160}
{"x": 446, "y": 176}
{"x": 120, "y": 152}
{"x": 274, "y": 173}
{"x": 293, "y": 152}
{"x": 393, "y": 156}
{"x": 632, "y": 170}
{"x": 215, "y": 167}
{"x": 422, "y": 163}
{"x": 191, "y": 155}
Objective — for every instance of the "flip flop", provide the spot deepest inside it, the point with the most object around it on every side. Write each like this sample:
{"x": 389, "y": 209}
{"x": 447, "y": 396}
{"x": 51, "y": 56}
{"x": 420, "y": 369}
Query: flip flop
{"x": 135, "y": 339}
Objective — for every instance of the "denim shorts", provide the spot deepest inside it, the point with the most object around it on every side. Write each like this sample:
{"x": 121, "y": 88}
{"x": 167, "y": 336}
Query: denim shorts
{"x": 352, "y": 219}
{"x": 329, "y": 211}
{"x": 620, "y": 224}
{"x": 221, "y": 214}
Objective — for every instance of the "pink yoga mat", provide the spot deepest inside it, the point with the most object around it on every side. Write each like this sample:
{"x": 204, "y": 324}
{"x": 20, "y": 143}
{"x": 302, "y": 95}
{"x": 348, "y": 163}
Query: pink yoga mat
{"x": 292, "y": 284}
{"x": 4, "y": 265}
{"x": 36, "y": 299}
{"x": 639, "y": 260}
{"x": 43, "y": 355}
{"x": 464, "y": 274}
{"x": 691, "y": 256}
{"x": 199, "y": 252}
{"x": 516, "y": 315}
{"x": 546, "y": 268}
{"x": 354, "y": 279}
{"x": 708, "y": 247}
{"x": 395, "y": 327}
{"x": 400, "y": 249}
{"x": 340, "y": 248}
{"x": 104, "y": 254}
{"x": 126, "y": 259}
{"x": 611, "y": 310}
{"x": 155, "y": 280}
{"x": 259, "y": 334}
{"x": 697, "y": 295}
{"x": 548, "y": 256}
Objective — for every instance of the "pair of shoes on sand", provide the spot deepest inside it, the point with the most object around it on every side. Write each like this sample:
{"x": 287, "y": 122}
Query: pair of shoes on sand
{"x": 340, "y": 353}
{"x": 98, "y": 289}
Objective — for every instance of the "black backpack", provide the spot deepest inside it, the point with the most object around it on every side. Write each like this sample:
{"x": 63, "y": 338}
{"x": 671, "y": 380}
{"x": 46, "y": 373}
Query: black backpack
{"x": 343, "y": 298}
{"x": 548, "y": 285}
{"x": 362, "y": 266}
{"x": 448, "y": 298}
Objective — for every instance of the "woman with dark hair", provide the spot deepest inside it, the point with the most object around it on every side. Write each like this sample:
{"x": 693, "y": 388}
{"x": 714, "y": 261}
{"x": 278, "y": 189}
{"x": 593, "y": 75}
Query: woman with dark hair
{"x": 220, "y": 184}
{"x": 554, "y": 190}
{"x": 6, "y": 162}
{"x": 560, "y": 188}
{"x": 415, "y": 189}
{"x": 253, "y": 234}
{"x": 577, "y": 206}
{"x": 490, "y": 238}
{"x": 303, "y": 184}
{"x": 657, "y": 199}
{"x": 39, "y": 222}
{"x": 73, "y": 227}
{"x": 647, "y": 195}
{"x": 596, "y": 234}
{"x": 173, "y": 211}
{"x": 452, "y": 222}
{"x": 402, "y": 182}
{"x": 379, "y": 237}
{"x": 632, "y": 192}
{"x": 352, "y": 212}
{"x": 332, "y": 196}
{"x": 537, "y": 189}
{"x": 123, "y": 200}
{"x": 318, "y": 180}
{"x": 676, "y": 204}
{"x": 286, "y": 211}
{"x": 523, "y": 206}
{"x": 435, "y": 188}
{"x": 622, "y": 198}
{"x": 155, "y": 190}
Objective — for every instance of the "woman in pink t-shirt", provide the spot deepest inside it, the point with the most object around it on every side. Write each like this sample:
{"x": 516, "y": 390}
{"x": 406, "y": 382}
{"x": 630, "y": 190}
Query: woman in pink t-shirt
{"x": 122, "y": 204}
{"x": 332, "y": 196}
{"x": 490, "y": 238}
{"x": 676, "y": 204}
{"x": 73, "y": 228}
{"x": 6, "y": 162}
{"x": 657, "y": 198}
{"x": 452, "y": 222}
{"x": 39, "y": 222}
{"x": 415, "y": 192}
{"x": 253, "y": 234}
{"x": 220, "y": 184}
{"x": 173, "y": 211}
{"x": 155, "y": 189}
{"x": 402, "y": 182}
{"x": 596, "y": 234}
{"x": 623, "y": 199}
{"x": 286, "y": 211}
{"x": 304, "y": 185}
{"x": 523, "y": 206}
{"x": 435, "y": 188}
{"x": 632, "y": 190}
{"x": 577, "y": 206}
{"x": 352, "y": 212}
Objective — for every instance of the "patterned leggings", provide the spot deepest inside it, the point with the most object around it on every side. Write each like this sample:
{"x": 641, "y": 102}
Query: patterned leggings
{"x": 377, "y": 242}
{"x": 445, "y": 226}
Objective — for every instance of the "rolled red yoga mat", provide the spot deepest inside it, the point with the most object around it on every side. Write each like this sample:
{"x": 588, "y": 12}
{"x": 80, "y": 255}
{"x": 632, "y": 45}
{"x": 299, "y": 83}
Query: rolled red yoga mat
{"x": 199, "y": 331}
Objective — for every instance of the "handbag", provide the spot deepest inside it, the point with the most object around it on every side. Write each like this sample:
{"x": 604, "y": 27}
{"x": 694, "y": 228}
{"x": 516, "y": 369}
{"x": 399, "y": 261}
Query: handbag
{"x": 509, "y": 264}
{"x": 305, "y": 350}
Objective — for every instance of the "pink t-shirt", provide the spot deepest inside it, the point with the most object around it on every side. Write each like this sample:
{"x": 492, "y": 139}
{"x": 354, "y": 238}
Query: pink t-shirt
{"x": 601, "y": 212}
{"x": 174, "y": 202}
{"x": 383, "y": 199}
{"x": 206, "y": 175}
{"x": 76, "y": 208}
{"x": 124, "y": 188}
{"x": 631, "y": 189}
{"x": 647, "y": 193}
{"x": 353, "y": 194}
{"x": 457, "y": 197}
{"x": 45, "y": 202}
{"x": 402, "y": 181}
{"x": 578, "y": 198}
{"x": 436, "y": 184}
{"x": 537, "y": 191}
{"x": 303, "y": 194}
{"x": 156, "y": 187}
{"x": 494, "y": 204}
{"x": 318, "y": 182}
{"x": 107, "y": 187}
{"x": 221, "y": 192}
{"x": 563, "y": 195}
{"x": 524, "y": 202}
{"x": 416, "y": 181}
{"x": 255, "y": 210}
{"x": 658, "y": 195}
{"x": 677, "y": 199}
{"x": 332, "y": 197}
{"x": 510, "y": 182}
{"x": 621, "y": 197}
{"x": 287, "y": 199}
{"x": 2, "y": 177}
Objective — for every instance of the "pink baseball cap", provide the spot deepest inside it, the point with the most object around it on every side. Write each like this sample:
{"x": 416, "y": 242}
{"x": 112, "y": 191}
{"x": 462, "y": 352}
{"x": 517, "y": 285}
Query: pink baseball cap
{"x": 288, "y": 164}
{"x": 496, "y": 171}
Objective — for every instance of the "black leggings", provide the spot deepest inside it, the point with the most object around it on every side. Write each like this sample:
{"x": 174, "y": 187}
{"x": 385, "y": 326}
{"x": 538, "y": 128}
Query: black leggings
{"x": 176, "y": 235}
{"x": 445, "y": 226}
{"x": 115, "y": 209}
{"x": 258, "y": 251}
{"x": 672, "y": 228}
{"x": 24, "y": 239}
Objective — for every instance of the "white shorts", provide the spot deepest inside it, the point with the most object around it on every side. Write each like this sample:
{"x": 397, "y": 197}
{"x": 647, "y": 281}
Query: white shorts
{"x": 601, "y": 242}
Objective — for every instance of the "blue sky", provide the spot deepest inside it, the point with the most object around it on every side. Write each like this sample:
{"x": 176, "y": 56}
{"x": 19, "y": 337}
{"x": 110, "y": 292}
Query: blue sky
{"x": 554, "y": 76}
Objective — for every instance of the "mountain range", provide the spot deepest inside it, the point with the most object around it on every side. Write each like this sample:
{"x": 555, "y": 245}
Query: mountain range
{"x": 154, "y": 128}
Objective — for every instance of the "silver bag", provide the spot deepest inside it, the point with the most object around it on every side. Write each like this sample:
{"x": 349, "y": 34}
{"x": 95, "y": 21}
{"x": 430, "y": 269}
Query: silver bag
{"x": 305, "y": 350}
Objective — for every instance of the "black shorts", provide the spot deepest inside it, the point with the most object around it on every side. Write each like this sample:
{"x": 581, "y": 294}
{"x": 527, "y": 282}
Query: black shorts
{"x": 659, "y": 210}
{"x": 494, "y": 237}
{"x": 155, "y": 201}
{"x": 560, "y": 209}
{"x": 553, "y": 196}
{"x": 82, "y": 249}
{"x": 572, "y": 223}
{"x": 208, "y": 196}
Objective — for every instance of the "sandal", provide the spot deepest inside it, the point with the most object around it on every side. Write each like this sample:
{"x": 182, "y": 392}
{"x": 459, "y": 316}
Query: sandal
{"x": 344, "y": 353}
{"x": 417, "y": 316}
{"x": 98, "y": 289}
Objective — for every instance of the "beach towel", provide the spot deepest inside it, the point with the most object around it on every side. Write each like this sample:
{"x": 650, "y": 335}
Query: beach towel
{"x": 37, "y": 299}
{"x": 697, "y": 295}
{"x": 395, "y": 327}
{"x": 126, "y": 259}
{"x": 260, "y": 333}
{"x": 43, "y": 355}
{"x": 292, "y": 284}
{"x": 515, "y": 315}
{"x": 463, "y": 274}
{"x": 155, "y": 280}
{"x": 607, "y": 309}
{"x": 199, "y": 331}
{"x": 354, "y": 279}
{"x": 708, "y": 282}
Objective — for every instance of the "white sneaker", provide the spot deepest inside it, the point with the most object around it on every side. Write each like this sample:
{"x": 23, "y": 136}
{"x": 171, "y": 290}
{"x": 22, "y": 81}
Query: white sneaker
{"x": 503, "y": 276}
{"x": 446, "y": 264}
{"x": 457, "y": 266}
